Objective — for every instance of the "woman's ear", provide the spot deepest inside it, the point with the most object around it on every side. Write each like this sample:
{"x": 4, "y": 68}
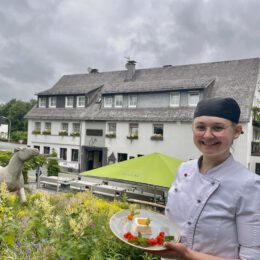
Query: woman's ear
{"x": 238, "y": 131}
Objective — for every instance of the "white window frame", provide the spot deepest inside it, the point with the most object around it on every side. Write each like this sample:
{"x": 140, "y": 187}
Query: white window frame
{"x": 65, "y": 126}
{"x": 42, "y": 102}
{"x": 132, "y": 100}
{"x": 118, "y": 101}
{"x": 37, "y": 126}
{"x": 67, "y": 101}
{"x": 175, "y": 98}
{"x": 76, "y": 127}
{"x": 52, "y": 101}
{"x": 191, "y": 95}
{"x": 110, "y": 127}
{"x": 108, "y": 101}
{"x": 79, "y": 101}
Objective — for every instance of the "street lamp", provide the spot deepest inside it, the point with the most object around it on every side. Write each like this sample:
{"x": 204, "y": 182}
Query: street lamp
{"x": 9, "y": 127}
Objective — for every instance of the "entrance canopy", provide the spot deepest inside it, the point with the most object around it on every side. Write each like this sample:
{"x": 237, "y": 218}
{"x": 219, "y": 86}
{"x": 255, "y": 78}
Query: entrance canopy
{"x": 154, "y": 169}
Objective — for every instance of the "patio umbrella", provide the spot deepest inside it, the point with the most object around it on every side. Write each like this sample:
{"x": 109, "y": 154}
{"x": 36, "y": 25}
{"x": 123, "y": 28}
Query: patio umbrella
{"x": 154, "y": 169}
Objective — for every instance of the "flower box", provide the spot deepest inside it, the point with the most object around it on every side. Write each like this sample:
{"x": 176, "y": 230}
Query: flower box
{"x": 75, "y": 133}
{"x": 36, "y": 132}
{"x": 157, "y": 137}
{"x": 132, "y": 136}
{"x": 63, "y": 133}
{"x": 111, "y": 135}
{"x": 46, "y": 132}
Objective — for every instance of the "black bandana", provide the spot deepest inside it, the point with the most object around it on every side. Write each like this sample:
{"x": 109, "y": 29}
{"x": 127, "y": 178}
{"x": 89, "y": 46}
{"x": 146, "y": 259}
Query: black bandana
{"x": 220, "y": 107}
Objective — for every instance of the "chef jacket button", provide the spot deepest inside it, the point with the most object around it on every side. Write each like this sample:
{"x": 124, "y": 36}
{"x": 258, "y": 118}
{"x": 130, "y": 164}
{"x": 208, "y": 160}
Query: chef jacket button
{"x": 213, "y": 183}
{"x": 189, "y": 223}
{"x": 199, "y": 201}
{"x": 175, "y": 189}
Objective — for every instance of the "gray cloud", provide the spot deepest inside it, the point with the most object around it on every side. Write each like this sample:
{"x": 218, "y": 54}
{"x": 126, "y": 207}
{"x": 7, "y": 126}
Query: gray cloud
{"x": 42, "y": 40}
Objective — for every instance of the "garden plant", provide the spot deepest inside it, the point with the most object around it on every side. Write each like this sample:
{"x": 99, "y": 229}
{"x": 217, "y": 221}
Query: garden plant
{"x": 61, "y": 226}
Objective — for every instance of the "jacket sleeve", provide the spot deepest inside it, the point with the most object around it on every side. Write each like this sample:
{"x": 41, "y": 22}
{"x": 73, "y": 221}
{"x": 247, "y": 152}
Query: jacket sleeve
{"x": 248, "y": 220}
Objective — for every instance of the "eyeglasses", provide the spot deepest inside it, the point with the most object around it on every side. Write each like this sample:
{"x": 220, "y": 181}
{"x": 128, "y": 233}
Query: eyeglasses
{"x": 216, "y": 130}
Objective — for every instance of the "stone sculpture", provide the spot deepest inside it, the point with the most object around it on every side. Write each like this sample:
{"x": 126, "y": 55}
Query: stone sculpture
{"x": 12, "y": 173}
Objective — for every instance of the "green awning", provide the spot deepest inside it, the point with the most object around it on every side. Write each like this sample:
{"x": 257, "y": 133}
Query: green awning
{"x": 154, "y": 169}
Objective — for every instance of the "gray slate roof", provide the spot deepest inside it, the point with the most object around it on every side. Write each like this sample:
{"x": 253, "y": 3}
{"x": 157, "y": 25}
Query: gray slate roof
{"x": 235, "y": 79}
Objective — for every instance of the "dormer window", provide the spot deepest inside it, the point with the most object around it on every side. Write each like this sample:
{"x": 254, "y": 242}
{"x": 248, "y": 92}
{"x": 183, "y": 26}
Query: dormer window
{"x": 42, "y": 102}
{"x": 108, "y": 101}
{"x": 81, "y": 101}
{"x": 118, "y": 100}
{"x": 132, "y": 101}
{"x": 52, "y": 101}
{"x": 69, "y": 102}
{"x": 193, "y": 98}
{"x": 175, "y": 99}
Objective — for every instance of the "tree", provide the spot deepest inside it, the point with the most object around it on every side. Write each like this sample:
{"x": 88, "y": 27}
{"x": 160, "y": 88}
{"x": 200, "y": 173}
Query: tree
{"x": 15, "y": 110}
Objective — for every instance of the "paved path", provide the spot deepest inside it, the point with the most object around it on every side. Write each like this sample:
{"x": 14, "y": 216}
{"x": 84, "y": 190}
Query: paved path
{"x": 5, "y": 146}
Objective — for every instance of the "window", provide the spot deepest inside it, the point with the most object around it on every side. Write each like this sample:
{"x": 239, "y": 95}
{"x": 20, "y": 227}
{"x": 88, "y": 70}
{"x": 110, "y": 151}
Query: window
{"x": 175, "y": 99}
{"x": 37, "y": 126}
{"x": 158, "y": 129}
{"x": 46, "y": 150}
{"x": 42, "y": 102}
{"x": 81, "y": 101}
{"x": 76, "y": 127}
{"x": 63, "y": 154}
{"x": 69, "y": 102}
{"x": 108, "y": 101}
{"x": 47, "y": 126}
{"x": 52, "y": 101}
{"x": 121, "y": 157}
{"x": 132, "y": 101}
{"x": 118, "y": 100}
{"x": 112, "y": 128}
{"x": 65, "y": 127}
{"x": 133, "y": 129}
{"x": 36, "y": 147}
{"x": 193, "y": 98}
{"x": 74, "y": 155}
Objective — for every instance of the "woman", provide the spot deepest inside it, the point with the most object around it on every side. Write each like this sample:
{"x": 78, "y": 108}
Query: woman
{"x": 215, "y": 200}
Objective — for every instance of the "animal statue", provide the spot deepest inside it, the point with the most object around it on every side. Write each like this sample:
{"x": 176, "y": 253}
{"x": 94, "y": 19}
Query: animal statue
{"x": 12, "y": 173}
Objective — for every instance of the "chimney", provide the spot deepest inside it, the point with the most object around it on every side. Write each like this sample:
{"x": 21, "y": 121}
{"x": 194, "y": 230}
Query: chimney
{"x": 130, "y": 66}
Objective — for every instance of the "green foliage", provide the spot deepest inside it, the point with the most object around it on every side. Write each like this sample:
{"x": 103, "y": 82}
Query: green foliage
{"x": 15, "y": 110}
{"x": 256, "y": 113}
{"x": 53, "y": 167}
{"x": 61, "y": 226}
{"x": 53, "y": 153}
{"x": 19, "y": 135}
{"x": 5, "y": 157}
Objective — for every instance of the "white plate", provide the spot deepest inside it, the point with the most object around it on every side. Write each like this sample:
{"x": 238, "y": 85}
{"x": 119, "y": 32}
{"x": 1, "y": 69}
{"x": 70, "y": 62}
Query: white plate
{"x": 120, "y": 225}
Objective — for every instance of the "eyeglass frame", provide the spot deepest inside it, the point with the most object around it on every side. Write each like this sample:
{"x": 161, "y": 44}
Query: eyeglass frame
{"x": 213, "y": 131}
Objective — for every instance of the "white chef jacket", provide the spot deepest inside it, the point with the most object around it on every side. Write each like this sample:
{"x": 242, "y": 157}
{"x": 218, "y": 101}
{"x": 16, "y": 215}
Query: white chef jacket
{"x": 218, "y": 212}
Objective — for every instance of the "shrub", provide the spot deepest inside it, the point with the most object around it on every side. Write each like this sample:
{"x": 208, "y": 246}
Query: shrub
{"x": 61, "y": 226}
{"x": 19, "y": 135}
{"x": 53, "y": 167}
{"x": 5, "y": 158}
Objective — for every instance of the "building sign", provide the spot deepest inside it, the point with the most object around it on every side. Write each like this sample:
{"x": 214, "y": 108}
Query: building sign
{"x": 94, "y": 132}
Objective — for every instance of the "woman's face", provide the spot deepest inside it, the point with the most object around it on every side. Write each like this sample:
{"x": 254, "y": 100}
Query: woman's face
{"x": 213, "y": 136}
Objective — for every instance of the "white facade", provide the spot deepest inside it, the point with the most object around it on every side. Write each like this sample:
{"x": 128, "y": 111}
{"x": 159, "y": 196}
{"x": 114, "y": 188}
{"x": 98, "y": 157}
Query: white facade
{"x": 177, "y": 142}
{"x": 3, "y": 131}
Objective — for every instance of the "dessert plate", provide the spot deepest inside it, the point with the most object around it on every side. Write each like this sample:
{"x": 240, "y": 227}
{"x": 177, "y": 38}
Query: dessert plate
{"x": 119, "y": 225}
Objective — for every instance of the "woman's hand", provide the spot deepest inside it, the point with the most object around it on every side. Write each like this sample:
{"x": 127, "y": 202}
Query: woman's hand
{"x": 174, "y": 251}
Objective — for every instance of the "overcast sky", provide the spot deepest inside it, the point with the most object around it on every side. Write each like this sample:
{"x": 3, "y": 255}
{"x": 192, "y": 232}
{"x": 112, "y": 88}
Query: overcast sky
{"x": 42, "y": 40}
